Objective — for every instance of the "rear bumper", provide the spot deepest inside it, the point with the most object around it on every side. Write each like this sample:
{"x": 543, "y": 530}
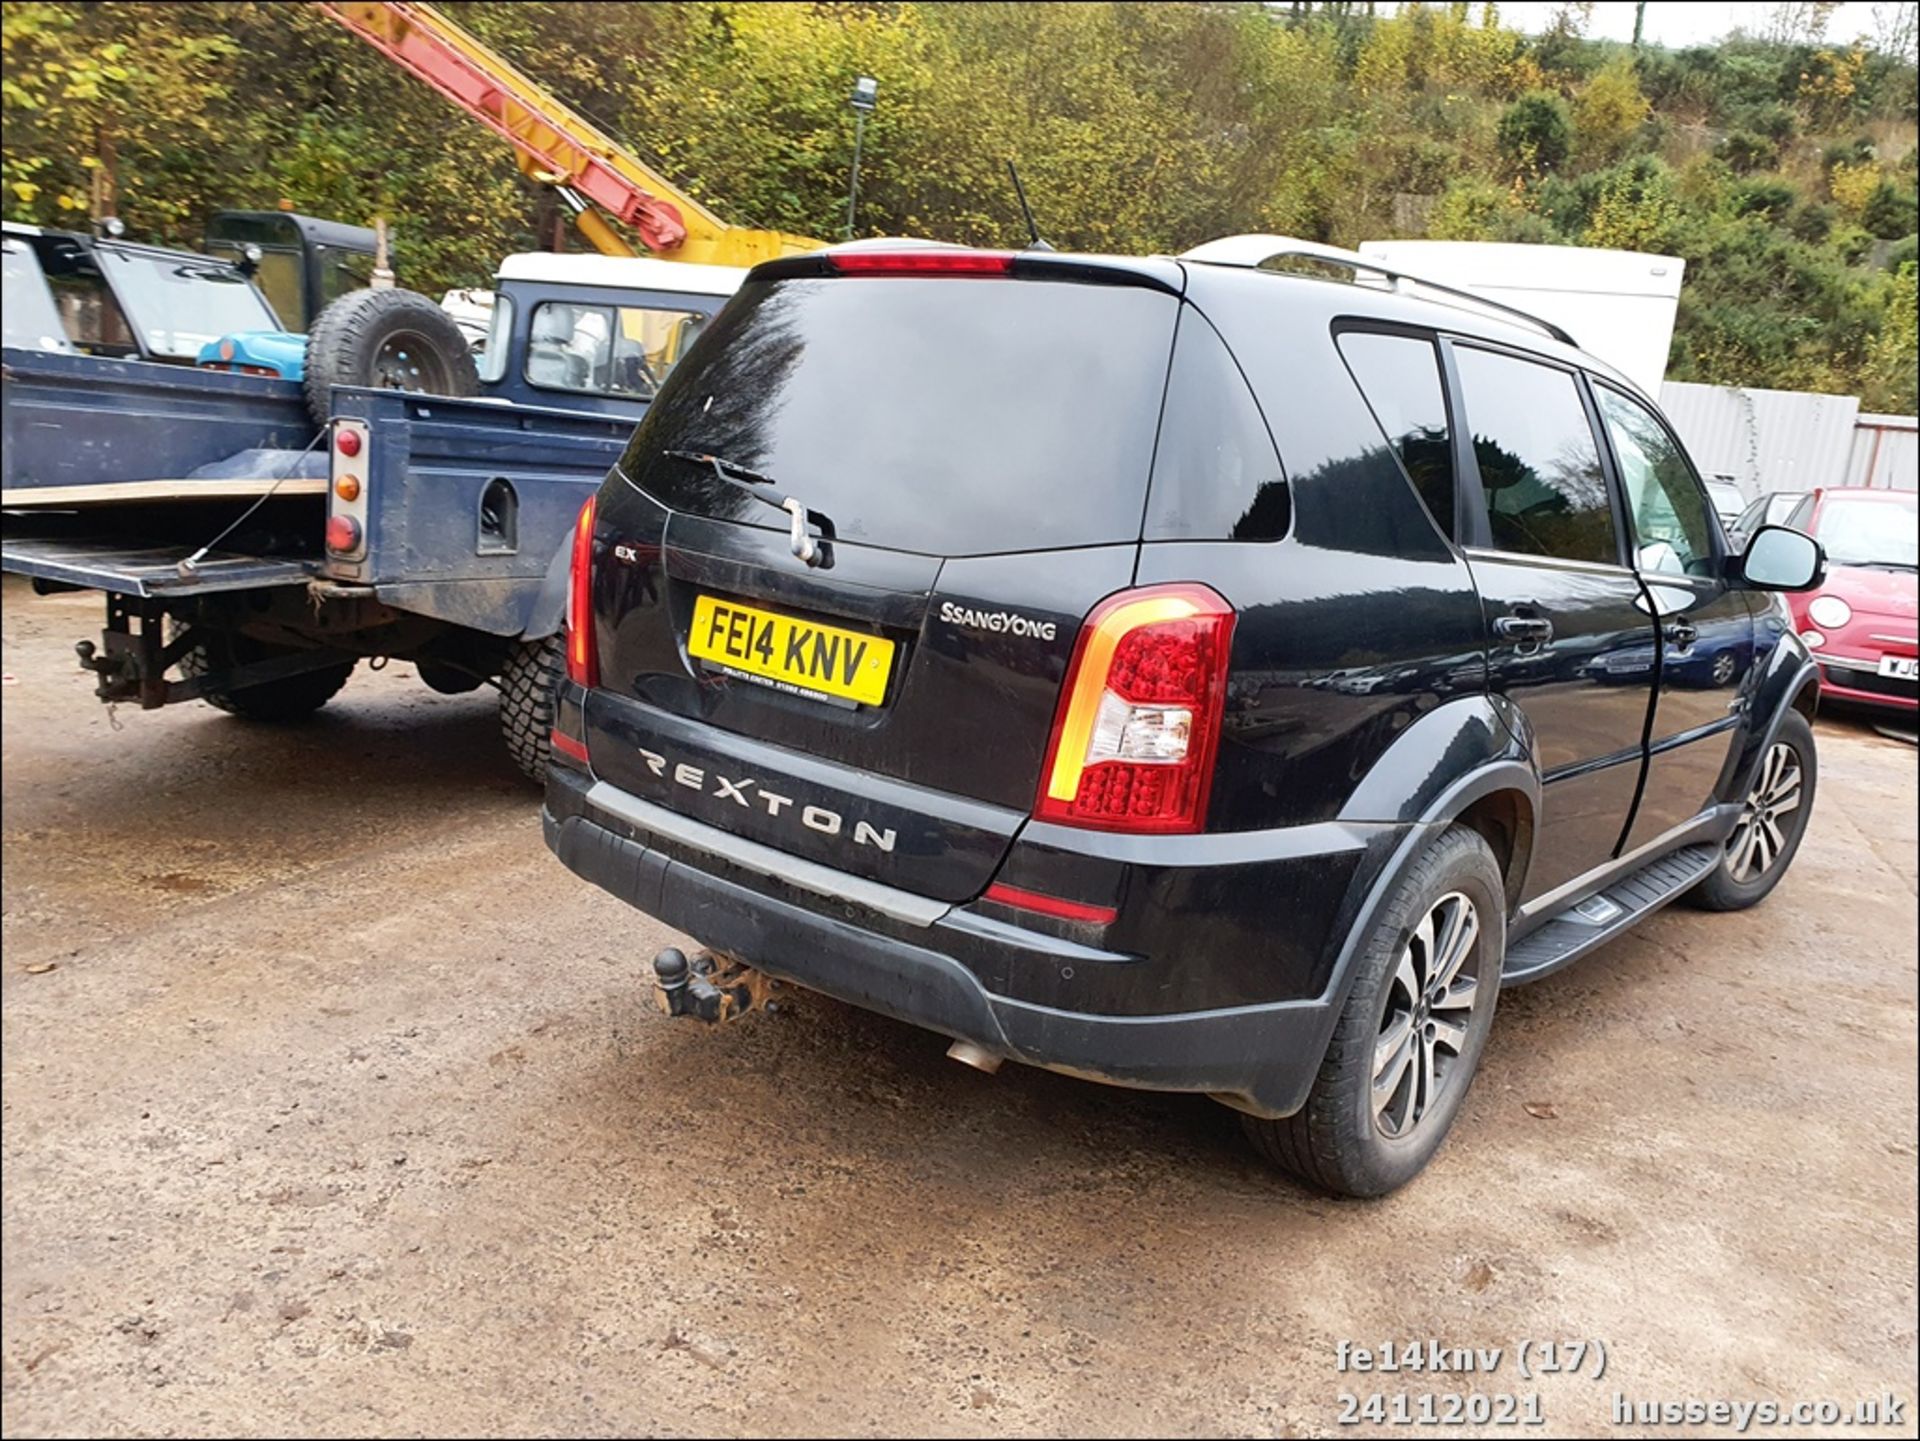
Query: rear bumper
{"x": 882, "y": 953}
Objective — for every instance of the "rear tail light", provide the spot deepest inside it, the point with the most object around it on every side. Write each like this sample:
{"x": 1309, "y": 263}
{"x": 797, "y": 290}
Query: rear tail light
{"x": 582, "y": 666}
{"x": 343, "y": 534}
{"x": 347, "y": 442}
{"x": 1139, "y": 722}
{"x": 921, "y": 262}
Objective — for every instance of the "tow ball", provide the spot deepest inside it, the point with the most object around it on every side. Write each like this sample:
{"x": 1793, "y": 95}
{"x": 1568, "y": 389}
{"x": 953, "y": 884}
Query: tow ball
{"x": 708, "y": 988}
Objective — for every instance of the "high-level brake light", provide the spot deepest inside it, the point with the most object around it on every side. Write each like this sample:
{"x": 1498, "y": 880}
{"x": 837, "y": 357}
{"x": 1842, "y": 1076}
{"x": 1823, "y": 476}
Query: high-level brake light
{"x": 1139, "y": 722}
{"x": 583, "y": 667}
{"x": 921, "y": 262}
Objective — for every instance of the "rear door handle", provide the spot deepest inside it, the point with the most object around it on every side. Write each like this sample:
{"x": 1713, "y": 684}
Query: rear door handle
{"x": 1524, "y": 629}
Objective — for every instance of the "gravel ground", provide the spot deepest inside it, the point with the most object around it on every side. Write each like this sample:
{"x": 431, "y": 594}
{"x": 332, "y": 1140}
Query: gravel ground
{"x": 333, "y": 1104}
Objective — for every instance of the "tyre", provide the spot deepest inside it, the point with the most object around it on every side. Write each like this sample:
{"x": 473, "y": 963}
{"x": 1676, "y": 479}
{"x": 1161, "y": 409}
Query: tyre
{"x": 529, "y": 689}
{"x": 1411, "y": 1032}
{"x": 1772, "y": 821}
{"x": 390, "y": 339}
{"x": 276, "y": 701}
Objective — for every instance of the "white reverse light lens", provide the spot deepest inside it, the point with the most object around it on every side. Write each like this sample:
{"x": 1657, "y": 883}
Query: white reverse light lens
{"x": 1829, "y": 611}
{"x": 1123, "y": 731}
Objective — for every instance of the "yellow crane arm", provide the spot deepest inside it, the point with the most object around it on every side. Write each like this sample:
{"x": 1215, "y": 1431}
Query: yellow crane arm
{"x": 556, "y": 144}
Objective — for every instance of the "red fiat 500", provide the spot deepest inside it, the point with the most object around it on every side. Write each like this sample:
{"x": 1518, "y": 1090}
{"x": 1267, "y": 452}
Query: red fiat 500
{"x": 1861, "y": 624}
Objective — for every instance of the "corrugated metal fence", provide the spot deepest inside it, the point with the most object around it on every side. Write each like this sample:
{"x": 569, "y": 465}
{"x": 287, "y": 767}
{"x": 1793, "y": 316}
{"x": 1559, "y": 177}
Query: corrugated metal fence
{"x": 1768, "y": 440}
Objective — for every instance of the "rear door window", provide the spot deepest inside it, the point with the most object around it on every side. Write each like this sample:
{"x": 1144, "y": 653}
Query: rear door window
{"x": 1399, "y": 376}
{"x": 946, "y": 416}
{"x": 1540, "y": 475}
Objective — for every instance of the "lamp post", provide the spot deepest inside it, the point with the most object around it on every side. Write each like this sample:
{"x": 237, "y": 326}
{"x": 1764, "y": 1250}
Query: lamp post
{"x": 866, "y": 94}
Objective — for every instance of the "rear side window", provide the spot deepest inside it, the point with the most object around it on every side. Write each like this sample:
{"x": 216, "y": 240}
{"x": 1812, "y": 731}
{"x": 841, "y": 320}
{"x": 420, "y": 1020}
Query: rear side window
{"x": 1216, "y": 474}
{"x": 1539, "y": 465}
{"x": 947, "y": 416}
{"x": 1400, "y": 377}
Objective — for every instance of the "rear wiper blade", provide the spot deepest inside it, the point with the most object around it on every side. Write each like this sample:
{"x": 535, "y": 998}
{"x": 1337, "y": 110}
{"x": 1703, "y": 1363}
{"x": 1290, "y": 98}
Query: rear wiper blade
{"x": 722, "y": 467}
{"x": 798, "y": 514}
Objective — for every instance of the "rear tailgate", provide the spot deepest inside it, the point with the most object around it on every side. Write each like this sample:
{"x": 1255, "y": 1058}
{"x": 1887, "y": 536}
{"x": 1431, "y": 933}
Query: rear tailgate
{"x": 979, "y": 448}
{"x": 112, "y": 563}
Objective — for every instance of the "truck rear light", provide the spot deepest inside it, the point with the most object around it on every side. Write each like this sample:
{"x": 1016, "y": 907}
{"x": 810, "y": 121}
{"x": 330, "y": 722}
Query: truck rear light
{"x": 347, "y": 442}
{"x": 343, "y": 534}
{"x": 921, "y": 262}
{"x": 583, "y": 667}
{"x": 1139, "y": 721}
{"x": 347, "y": 487}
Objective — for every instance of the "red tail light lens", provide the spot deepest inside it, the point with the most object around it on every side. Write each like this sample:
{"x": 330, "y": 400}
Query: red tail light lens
{"x": 343, "y": 534}
{"x": 922, "y": 262}
{"x": 347, "y": 442}
{"x": 583, "y": 668}
{"x": 1139, "y": 721}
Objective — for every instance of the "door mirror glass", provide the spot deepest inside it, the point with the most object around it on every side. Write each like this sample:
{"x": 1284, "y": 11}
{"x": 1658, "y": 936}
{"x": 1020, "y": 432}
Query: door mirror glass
{"x": 1783, "y": 559}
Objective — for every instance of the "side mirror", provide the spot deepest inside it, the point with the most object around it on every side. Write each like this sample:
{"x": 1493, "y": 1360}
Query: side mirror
{"x": 1781, "y": 559}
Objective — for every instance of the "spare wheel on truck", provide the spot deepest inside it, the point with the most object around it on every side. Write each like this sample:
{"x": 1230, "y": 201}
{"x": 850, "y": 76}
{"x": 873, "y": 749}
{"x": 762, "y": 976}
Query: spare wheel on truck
{"x": 389, "y": 339}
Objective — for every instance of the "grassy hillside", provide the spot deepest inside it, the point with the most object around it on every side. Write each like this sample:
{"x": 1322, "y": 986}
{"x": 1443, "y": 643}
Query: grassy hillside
{"x": 1783, "y": 169}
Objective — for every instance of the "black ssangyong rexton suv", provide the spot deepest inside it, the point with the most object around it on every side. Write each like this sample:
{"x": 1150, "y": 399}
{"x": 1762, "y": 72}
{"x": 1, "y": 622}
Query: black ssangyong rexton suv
{"x": 1173, "y": 672}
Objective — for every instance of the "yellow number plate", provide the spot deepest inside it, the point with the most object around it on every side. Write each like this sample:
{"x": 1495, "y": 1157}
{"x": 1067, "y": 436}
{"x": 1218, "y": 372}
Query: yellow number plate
{"x": 821, "y": 659}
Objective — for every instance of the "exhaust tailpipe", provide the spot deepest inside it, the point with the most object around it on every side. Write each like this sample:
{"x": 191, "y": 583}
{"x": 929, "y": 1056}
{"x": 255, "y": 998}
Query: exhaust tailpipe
{"x": 969, "y": 1054}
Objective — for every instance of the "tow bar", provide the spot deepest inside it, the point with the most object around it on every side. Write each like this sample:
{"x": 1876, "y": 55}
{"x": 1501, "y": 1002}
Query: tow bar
{"x": 708, "y": 988}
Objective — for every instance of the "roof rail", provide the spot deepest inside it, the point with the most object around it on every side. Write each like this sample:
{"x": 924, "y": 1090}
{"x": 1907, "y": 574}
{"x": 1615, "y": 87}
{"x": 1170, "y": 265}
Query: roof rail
{"x": 1254, "y": 251}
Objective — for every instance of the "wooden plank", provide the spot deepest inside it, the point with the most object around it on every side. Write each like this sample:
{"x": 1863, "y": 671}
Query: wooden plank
{"x": 19, "y": 497}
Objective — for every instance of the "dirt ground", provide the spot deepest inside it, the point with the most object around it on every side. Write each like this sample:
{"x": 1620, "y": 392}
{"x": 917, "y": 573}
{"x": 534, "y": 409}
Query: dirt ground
{"x": 333, "y": 1104}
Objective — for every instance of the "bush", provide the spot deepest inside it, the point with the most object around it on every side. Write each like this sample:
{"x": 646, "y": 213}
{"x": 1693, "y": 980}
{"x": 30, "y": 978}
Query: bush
{"x": 1473, "y": 208}
{"x": 1812, "y": 223}
{"x": 1905, "y": 252}
{"x": 1748, "y": 150}
{"x": 1775, "y": 121}
{"x": 1852, "y": 244}
{"x": 1771, "y": 198}
{"x": 1888, "y": 213}
{"x": 1535, "y": 131}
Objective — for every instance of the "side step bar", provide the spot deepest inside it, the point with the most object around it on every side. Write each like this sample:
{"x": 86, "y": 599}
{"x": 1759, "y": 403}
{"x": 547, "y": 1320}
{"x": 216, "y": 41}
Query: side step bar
{"x": 1601, "y": 917}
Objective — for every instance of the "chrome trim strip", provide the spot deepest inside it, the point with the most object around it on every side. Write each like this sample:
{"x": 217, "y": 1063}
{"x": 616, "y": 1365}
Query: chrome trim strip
{"x": 1552, "y": 562}
{"x": 900, "y": 905}
{"x": 1895, "y": 639}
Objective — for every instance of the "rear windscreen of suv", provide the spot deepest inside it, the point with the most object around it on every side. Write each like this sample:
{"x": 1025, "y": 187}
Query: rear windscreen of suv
{"x": 951, "y": 416}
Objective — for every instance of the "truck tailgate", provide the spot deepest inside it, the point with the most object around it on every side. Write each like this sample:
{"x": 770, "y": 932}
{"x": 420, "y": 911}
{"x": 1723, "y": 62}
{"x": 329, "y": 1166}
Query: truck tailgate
{"x": 110, "y": 563}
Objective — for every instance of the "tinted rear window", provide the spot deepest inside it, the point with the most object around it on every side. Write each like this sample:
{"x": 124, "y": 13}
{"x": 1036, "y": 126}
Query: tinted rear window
{"x": 949, "y": 416}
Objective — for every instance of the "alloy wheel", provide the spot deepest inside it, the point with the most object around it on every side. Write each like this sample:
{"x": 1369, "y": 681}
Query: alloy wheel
{"x": 1430, "y": 999}
{"x": 1759, "y": 838}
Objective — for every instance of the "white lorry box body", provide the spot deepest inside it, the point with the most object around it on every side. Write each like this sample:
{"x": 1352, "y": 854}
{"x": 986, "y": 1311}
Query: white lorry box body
{"x": 1618, "y": 304}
